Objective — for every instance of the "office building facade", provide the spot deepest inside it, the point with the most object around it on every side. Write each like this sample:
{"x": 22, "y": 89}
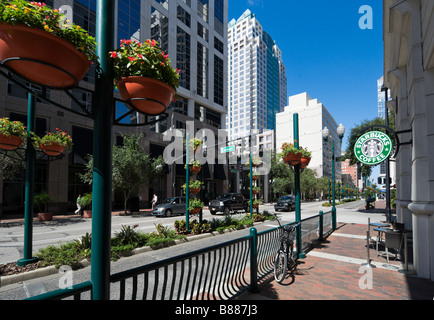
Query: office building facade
{"x": 194, "y": 35}
{"x": 409, "y": 73}
{"x": 313, "y": 117}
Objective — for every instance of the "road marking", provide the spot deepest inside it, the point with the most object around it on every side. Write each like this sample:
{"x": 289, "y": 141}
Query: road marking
{"x": 336, "y": 257}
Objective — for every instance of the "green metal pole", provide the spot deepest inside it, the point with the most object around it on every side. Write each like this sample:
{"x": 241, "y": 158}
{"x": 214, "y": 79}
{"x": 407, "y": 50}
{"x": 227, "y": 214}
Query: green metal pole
{"x": 187, "y": 183}
{"x": 334, "y": 187}
{"x": 102, "y": 144}
{"x": 251, "y": 186}
{"x": 29, "y": 185}
{"x": 330, "y": 191}
{"x": 301, "y": 255}
{"x": 253, "y": 261}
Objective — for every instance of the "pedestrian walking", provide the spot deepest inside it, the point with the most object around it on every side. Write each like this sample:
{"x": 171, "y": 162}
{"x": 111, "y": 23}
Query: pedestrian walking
{"x": 154, "y": 201}
{"x": 78, "y": 211}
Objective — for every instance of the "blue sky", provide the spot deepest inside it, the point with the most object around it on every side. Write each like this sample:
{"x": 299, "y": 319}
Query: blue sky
{"x": 325, "y": 52}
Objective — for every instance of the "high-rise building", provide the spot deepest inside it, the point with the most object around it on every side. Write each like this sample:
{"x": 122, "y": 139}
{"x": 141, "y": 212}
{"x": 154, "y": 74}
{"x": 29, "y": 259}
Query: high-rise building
{"x": 257, "y": 83}
{"x": 194, "y": 35}
{"x": 313, "y": 117}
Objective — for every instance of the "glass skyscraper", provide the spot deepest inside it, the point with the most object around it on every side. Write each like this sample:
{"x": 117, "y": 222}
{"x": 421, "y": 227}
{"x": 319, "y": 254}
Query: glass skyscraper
{"x": 257, "y": 82}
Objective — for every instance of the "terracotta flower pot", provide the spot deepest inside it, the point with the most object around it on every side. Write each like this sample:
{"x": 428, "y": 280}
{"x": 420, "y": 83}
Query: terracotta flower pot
{"x": 195, "y": 211}
{"x": 255, "y": 206}
{"x": 255, "y": 191}
{"x": 52, "y": 150}
{"x": 43, "y": 58}
{"x": 45, "y": 216}
{"x": 10, "y": 142}
{"x": 293, "y": 158}
{"x": 87, "y": 214}
{"x": 194, "y": 190}
{"x": 255, "y": 178}
{"x": 195, "y": 170}
{"x": 135, "y": 89}
{"x": 304, "y": 162}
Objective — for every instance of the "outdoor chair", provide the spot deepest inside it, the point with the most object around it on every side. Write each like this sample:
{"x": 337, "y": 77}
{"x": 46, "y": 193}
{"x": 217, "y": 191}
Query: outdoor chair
{"x": 393, "y": 241}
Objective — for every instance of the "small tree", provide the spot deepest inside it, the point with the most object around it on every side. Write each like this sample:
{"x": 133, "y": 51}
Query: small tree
{"x": 132, "y": 167}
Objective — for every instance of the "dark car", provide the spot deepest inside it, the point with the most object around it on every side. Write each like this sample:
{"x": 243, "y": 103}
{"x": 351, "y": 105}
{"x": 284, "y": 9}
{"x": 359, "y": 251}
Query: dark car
{"x": 170, "y": 207}
{"x": 227, "y": 203}
{"x": 286, "y": 203}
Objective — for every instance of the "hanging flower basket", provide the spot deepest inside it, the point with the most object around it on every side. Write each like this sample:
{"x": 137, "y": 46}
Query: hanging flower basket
{"x": 10, "y": 143}
{"x": 52, "y": 150}
{"x": 194, "y": 190}
{"x": 37, "y": 46}
{"x": 291, "y": 154}
{"x": 195, "y": 211}
{"x": 304, "y": 162}
{"x": 12, "y": 134}
{"x": 148, "y": 96}
{"x": 195, "y": 170}
{"x": 292, "y": 158}
{"x": 53, "y": 144}
{"x": 144, "y": 76}
{"x": 29, "y": 52}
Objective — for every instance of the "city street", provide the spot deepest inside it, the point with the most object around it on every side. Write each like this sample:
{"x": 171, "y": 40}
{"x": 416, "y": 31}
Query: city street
{"x": 44, "y": 235}
{"x": 11, "y": 239}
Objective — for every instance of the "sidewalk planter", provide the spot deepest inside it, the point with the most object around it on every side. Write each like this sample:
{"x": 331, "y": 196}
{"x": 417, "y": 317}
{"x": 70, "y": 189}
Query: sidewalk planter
{"x": 45, "y": 216}
{"x": 148, "y": 96}
{"x": 41, "y": 57}
{"x": 10, "y": 143}
{"x": 87, "y": 214}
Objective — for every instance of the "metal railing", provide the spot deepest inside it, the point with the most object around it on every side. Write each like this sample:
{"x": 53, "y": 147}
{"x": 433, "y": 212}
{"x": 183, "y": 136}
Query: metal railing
{"x": 220, "y": 272}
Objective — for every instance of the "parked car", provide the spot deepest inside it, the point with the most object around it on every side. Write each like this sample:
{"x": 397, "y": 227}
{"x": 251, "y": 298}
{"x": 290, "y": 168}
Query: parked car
{"x": 227, "y": 203}
{"x": 170, "y": 207}
{"x": 286, "y": 203}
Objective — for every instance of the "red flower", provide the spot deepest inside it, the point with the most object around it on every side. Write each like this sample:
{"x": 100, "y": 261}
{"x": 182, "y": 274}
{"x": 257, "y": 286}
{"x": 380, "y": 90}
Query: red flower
{"x": 114, "y": 54}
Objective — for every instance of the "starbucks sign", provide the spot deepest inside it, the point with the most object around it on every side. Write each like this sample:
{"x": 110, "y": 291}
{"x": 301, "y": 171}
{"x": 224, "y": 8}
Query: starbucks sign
{"x": 373, "y": 148}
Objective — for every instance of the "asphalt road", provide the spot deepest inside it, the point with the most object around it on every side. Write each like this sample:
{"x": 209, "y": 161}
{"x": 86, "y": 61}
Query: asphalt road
{"x": 11, "y": 242}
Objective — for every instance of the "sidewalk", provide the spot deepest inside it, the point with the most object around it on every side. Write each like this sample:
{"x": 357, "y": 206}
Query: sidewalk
{"x": 332, "y": 271}
{"x": 10, "y": 220}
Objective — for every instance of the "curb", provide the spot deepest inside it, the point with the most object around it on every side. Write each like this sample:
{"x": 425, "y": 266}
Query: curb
{"x": 51, "y": 270}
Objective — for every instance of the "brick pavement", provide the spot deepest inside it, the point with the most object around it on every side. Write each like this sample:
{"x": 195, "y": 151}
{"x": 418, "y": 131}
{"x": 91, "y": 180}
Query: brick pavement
{"x": 331, "y": 271}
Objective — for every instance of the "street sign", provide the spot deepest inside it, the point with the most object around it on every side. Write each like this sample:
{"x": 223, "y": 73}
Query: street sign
{"x": 227, "y": 149}
{"x": 373, "y": 148}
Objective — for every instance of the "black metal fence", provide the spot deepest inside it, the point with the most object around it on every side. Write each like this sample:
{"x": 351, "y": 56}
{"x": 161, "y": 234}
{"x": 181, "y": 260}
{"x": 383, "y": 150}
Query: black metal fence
{"x": 220, "y": 272}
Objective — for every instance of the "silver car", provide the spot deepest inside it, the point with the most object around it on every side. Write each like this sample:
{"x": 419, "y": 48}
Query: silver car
{"x": 170, "y": 207}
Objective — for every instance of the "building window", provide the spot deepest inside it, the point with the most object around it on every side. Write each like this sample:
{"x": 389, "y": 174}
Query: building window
{"x": 184, "y": 16}
{"x": 202, "y": 31}
{"x": 202, "y": 70}
{"x": 181, "y": 106}
{"x": 203, "y": 9}
{"x": 218, "y": 45}
{"x": 164, "y": 3}
{"x": 183, "y": 57}
{"x": 128, "y": 20}
{"x": 219, "y": 16}
{"x": 160, "y": 29}
{"x": 218, "y": 80}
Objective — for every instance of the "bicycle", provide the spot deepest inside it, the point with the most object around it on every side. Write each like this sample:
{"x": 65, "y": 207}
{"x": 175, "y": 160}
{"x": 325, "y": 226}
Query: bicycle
{"x": 285, "y": 258}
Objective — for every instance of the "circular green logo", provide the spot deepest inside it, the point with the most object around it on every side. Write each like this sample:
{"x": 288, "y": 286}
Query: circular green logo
{"x": 373, "y": 148}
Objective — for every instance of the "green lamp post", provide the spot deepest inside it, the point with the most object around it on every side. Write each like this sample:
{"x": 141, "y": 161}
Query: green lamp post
{"x": 325, "y": 135}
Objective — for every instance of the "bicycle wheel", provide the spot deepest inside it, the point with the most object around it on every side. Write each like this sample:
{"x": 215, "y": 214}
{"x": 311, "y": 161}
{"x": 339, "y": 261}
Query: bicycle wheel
{"x": 280, "y": 266}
